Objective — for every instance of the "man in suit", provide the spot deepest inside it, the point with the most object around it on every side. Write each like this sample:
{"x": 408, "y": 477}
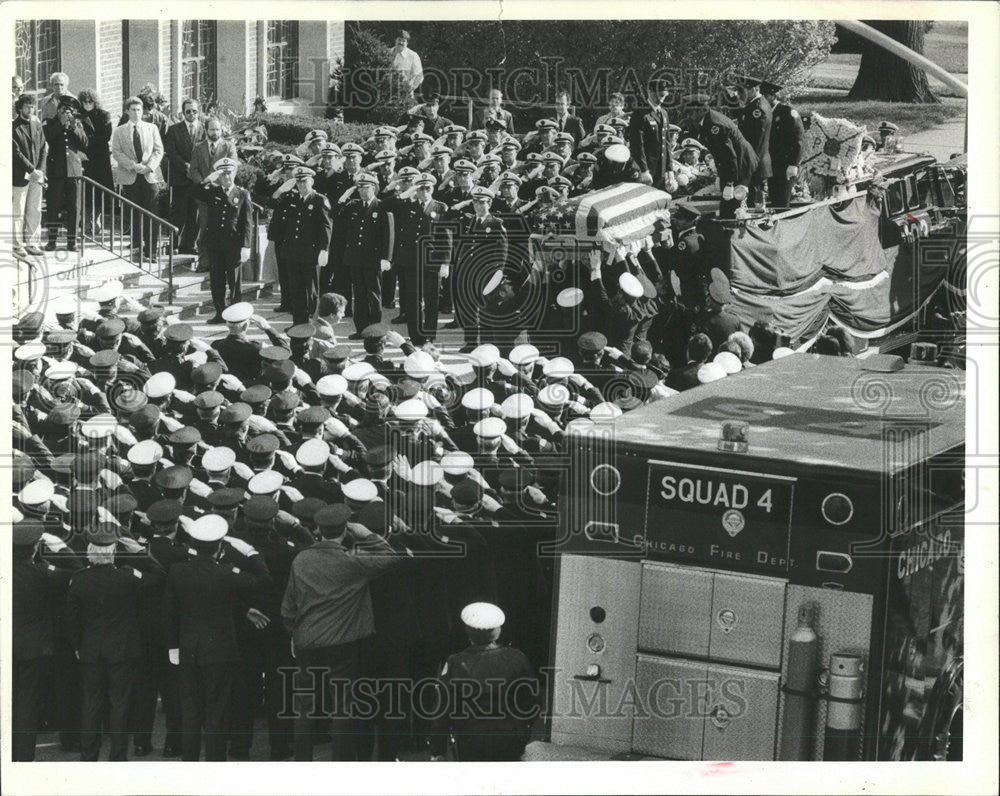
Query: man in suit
{"x": 785, "y": 144}
{"x": 649, "y": 139}
{"x": 64, "y": 166}
{"x": 204, "y": 156}
{"x": 363, "y": 242}
{"x": 735, "y": 160}
{"x": 199, "y": 605}
{"x": 30, "y": 152}
{"x": 138, "y": 150}
{"x": 565, "y": 123}
{"x": 178, "y": 144}
{"x": 103, "y": 628}
{"x": 755, "y": 124}
{"x": 58, "y": 88}
{"x": 494, "y": 111}
{"x": 300, "y": 229}
{"x": 227, "y": 242}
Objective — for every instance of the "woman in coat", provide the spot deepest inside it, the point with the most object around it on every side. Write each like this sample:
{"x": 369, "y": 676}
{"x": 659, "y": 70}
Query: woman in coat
{"x": 97, "y": 124}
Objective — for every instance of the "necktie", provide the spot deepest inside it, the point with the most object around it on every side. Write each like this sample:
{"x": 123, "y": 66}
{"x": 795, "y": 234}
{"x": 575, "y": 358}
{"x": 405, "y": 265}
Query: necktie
{"x": 136, "y": 142}
{"x": 211, "y": 151}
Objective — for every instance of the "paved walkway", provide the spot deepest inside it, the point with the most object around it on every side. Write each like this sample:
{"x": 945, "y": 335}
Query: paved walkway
{"x": 941, "y": 141}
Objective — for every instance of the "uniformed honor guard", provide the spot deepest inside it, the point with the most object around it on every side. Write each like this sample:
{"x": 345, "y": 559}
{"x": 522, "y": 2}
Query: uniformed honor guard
{"x": 755, "y": 124}
{"x": 481, "y": 250}
{"x": 226, "y": 241}
{"x": 301, "y": 231}
{"x": 423, "y": 252}
{"x": 787, "y": 135}
{"x": 362, "y": 243}
{"x": 735, "y": 159}
{"x": 490, "y": 690}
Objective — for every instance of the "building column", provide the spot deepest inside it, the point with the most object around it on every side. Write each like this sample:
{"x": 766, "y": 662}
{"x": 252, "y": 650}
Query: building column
{"x": 232, "y": 75}
{"x": 314, "y": 65}
{"x": 261, "y": 59}
{"x": 79, "y": 53}
{"x": 143, "y": 54}
{"x": 176, "y": 79}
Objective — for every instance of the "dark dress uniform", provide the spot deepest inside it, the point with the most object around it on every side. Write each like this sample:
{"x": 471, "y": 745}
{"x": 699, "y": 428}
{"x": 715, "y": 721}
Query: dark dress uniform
{"x": 35, "y": 587}
{"x": 423, "y": 245}
{"x": 494, "y": 723}
{"x": 64, "y": 167}
{"x": 481, "y": 248}
{"x": 649, "y": 142}
{"x": 363, "y": 236}
{"x": 103, "y": 627}
{"x": 755, "y": 125}
{"x": 198, "y": 603}
{"x": 735, "y": 159}
{"x": 227, "y": 230}
{"x": 787, "y": 134}
{"x": 301, "y": 230}
{"x": 242, "y": 355}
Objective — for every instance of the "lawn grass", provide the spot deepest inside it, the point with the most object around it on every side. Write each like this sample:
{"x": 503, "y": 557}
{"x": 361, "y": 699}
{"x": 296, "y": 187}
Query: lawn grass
{"x": 910, "y": 118}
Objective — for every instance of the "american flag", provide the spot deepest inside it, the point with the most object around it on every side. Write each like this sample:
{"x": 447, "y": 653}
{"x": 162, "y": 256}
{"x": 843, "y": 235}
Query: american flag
{"x": 624, "y": 212}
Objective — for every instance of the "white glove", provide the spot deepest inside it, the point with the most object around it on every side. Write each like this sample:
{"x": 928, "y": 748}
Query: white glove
{"x": 490, "y": 504}
{"x": 394, "y": 338}
{"x": 244, "y": 254}
{"x": 232, "y": 382}
{"x": 240, "y": 546}
{"x": 261, "y": 424}
{"x": 595, "y": 260}
{"x": 243, "y": 471}
{"x": 171, "y": 423}
{"x": 213, "y": 176}
{"x": 285, "y": 187}
{"x": 199, "y": 358}
{"x": 614, "y": 353}
{"x": 287, "y": 459}
{"x": 130, "y": 544}
{"x": 646, "y": 178}
{"x": 200, "y": 488}
{"x": 537, "y": 495}
{"x": 124, "y": 436}
{"x": 36, "y": 176}
{"x": 445, "y": 270}
{"x": 175, "y": 656}
{"x": 386, "y": 265}
{"x": 505, "y": 368}
{"x": 109, "y": 479}
{"x": 791, "y": 172}
{"x": 670, "y": 183}
{"x": 727, "y": 192}
{"x": 53, "y": 542}
{"x": 184, "y": 396}
{"x": 323, "y": 257}
{"x": 335, "y": 428}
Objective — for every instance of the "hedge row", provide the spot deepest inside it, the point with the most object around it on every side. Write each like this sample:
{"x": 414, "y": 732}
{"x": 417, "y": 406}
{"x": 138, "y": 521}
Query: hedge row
{"x": 291, "y": 129}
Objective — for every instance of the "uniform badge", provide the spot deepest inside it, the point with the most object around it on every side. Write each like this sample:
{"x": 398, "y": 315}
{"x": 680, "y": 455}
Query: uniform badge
{"x": 236, "y": 200}
{"x": 374, "y": 215}
{"x": 757, "y": 113}
{"x": 715, "y": 129}
{"x": 434, "y": 214}
{"x": 487, "y": 229}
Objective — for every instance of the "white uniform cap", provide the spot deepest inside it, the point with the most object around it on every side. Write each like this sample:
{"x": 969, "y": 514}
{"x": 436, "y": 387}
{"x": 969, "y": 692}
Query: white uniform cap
{"x": 109, "y": 291}
{"x": 553, "y": 395}
{"x": 146, "y": 452}
{"x": 99, "y": 427}
{"x": 60, "y": 370}
{"x": 482, "y": 616}
{"x": 569, "y": 297}
{"x": 579, "y": 425}
{"x": 617, "y": 153}
{"x": 478, "y": 399}
{"x": 523, "y": 354}
{"x": 412, "y": 409}
{"x": 485, "y": 355}
{"x": 215, "y": 460}
{"x": 237, "y": 313}
{"x": 489, "y": 428}
{"x": 334, "y": 427}
{"x": 559, "y": 367}
{"x": 36, "y": 492}
{"x": 29, "y": 352}
{"x": 457, "y": 463}
{"x": 356, "y": 371}
{"x": 334, "y": 384}
{"x": 419, "y": 365}
{"x": 360, "y": 490}
{"x": 517, "y": 406}
{"x": 711, "y": 371}
{"x": 312, "y": 453}
{"x": 427, "y": 473}
{"x": 210, "y": 528}
{"x": 781, "y": 352}
{"x": 729, "y": 361}
{"x": 66, "y": 304}
{"x": 159, "y": 384}
{"x": 265, "y": 483}
{"x": 378, "y": 380}
{"x": 494, "y": 282}
{"x": 629, "y": 285}
{"x": 605, "y": 411}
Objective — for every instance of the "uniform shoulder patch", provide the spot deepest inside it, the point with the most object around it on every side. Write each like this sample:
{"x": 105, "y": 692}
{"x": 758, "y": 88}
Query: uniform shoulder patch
{"x": 715, "y": 129}
{"x": 137, "y": 573}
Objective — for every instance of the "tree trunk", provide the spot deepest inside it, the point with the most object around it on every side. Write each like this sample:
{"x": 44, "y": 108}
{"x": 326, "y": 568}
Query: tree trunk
{"x": 887, "y": 77}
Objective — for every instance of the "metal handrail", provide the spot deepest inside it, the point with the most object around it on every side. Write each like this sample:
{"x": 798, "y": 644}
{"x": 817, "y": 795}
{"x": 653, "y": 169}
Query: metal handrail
{"x": 118, "y": 201}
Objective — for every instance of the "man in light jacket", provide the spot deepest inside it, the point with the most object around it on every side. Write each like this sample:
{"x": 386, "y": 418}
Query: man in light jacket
{"x": 137, "y": 148}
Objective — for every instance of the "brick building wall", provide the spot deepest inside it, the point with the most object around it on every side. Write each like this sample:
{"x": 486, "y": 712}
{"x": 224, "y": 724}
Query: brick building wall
{"x": 109, "y": 79}
{"x": 165, "y": 54}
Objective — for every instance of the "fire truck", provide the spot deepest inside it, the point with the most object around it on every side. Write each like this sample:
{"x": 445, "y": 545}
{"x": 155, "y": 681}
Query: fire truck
{"x": 744, "y": 573}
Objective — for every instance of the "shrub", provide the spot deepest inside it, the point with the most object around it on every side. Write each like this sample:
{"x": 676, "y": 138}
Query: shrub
{"x": 292, "y": 128}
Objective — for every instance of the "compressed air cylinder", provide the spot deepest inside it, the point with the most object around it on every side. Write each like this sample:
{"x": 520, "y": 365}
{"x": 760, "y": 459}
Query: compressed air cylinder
{"x": 800, "y": 685}
{"x": 844, "y": 708}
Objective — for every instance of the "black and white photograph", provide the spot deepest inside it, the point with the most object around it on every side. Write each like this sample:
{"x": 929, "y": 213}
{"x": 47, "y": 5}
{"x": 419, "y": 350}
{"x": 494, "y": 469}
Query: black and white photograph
{"x": 422, "y": 384}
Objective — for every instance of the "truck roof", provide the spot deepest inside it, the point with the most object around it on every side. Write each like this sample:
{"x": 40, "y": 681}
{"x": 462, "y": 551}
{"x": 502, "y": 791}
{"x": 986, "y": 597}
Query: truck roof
{"x": 809, "y": 409}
